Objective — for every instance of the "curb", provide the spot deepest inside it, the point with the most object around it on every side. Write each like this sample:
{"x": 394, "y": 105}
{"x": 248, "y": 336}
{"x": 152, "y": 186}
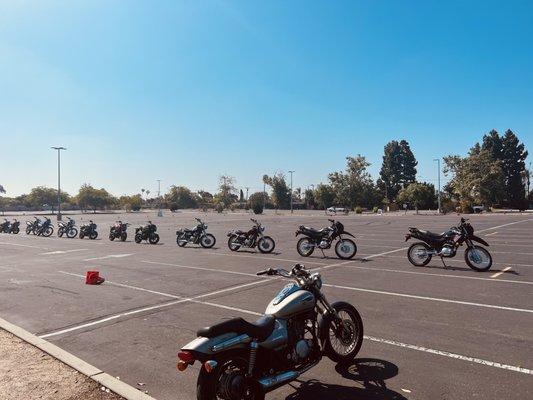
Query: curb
{"x": 110, "y": 382}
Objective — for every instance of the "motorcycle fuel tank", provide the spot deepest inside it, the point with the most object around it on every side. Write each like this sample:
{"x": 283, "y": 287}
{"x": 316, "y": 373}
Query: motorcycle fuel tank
{"x": 289, "y": 301}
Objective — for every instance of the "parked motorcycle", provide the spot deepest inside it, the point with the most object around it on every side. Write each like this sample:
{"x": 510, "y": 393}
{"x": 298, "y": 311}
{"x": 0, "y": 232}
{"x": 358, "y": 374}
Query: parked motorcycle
{"x": 45, "y": 229}
{"x": 33, "y": 226}
{"x": 147, "y": 232}
{"x": 88, "y": 230}
{"x": 196, "y": 235}
{"x": 253, "y": 237}
{"x": 445, "y": 245}
{"x": 10, "y": 227}
{"x": 118, "y": 231}
{"x": 245, "y": 360}
{"x": 67, "y": 228}
{"x": 323, "y": 238}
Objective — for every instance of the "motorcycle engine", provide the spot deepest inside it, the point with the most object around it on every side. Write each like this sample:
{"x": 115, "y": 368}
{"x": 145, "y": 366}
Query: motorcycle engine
{"x": 324, "y": 244}
{"x": 448, "y": 250}
{"x": 301, "y": 340}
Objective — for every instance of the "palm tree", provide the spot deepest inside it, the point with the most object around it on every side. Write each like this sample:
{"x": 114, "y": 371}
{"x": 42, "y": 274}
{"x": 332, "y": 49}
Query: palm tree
{"x": 2, "y": 190}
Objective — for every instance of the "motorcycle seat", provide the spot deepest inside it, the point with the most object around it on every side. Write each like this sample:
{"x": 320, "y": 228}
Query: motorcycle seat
{"x": 431, "y": 235}
{"x": 240, "y": 232}
{"x": 313, "y": 231}
{"x": 260, "y": 329}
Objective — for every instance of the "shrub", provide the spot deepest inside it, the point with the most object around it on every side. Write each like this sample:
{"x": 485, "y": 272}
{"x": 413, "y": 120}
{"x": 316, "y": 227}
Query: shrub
{"x": 256, "y": 202}
{"x": 136, "y": 207}
{"x": 358, "y": 210}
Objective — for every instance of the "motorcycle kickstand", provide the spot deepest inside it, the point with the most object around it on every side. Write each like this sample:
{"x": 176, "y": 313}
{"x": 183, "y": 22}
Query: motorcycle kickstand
{"x": 323, "y": 255}
{"x": 443, "y": 263}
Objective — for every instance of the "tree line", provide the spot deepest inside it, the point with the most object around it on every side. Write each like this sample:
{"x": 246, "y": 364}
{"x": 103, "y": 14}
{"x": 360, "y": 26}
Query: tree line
{"x": 492, "y": 174}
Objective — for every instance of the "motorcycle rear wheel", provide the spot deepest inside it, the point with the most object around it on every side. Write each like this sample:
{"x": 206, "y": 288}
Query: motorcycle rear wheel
{"x": 93, "y": 235}
{"x": 72, "y": 233}
{"x": 60, "y": 232}
{"x": 16, "y": 231}
{"x": 304, "y": 247}
{"x": 138, "y": 238}
{"x": 154, "y": 239}
{"x": 48, "y": 232}
{"x": 181, "y": 241}
{"x": 123, "y": 236}
{"x": 233, "y": 244}
{"x": 414, "y": 254}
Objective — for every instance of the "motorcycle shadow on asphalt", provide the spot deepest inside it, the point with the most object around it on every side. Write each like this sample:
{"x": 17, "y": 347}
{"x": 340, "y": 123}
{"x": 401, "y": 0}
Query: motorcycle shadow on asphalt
{"x": 370, "y": 373}
{"x": 450, "y": 268}
{"x": 276, "y": 253}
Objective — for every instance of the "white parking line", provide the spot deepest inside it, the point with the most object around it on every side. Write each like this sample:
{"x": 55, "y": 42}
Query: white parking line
{"x": 497, "y": 274}
{"x": 62, "y": 252}
{"x": 244, "y": 311}
{"x": 385, "y": 253}
{"x": 412, "y": 296}
{"x": 490, "y": 234}
{"x": 504, "y": 225}
{"x": 24, "y": 245}
{"x": 109, "y": 256}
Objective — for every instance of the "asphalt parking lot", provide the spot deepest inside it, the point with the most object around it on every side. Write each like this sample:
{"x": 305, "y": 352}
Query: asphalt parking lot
{"x": 430, "y": 332}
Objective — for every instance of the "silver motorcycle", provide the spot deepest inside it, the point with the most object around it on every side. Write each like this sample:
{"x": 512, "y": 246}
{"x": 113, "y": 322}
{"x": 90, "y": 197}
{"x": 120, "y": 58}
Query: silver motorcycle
{"x": 241, "y": 360}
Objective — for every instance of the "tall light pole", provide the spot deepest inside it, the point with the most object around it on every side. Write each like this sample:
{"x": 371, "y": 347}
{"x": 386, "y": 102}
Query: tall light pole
{"x": 438, "y": 166}
{"x": 159, "y": 212}
{"x": 247, "y": 188}
{"x": 59, "y": 180}
{"x": 291, "y": 172}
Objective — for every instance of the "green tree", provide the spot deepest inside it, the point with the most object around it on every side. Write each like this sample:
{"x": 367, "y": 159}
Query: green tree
{"x": 398, "y": 169}
{"x": 90, "y": 198}
{"x": 324, "y": 196}
{"x": 131, "y": 203}
{"x": 182, "y": 196}
{"x": 309, "y": 199}
{"x": 226, "y": 191}
{"x": 476, "y": 179}
{"x": 255, "y": 202}
{"x": 281, "y": 193}
{"x": 41, "y": 195}
{"x": 418, "y": 195}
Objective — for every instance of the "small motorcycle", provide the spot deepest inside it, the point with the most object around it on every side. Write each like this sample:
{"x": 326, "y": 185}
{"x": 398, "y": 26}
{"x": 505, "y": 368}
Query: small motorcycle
{"x": 196, "y": 235}
{"x": 323, "y": 238}
{"x": 118, "y": 231}
{"x": 10, "y": 227}
{"x": 45, "y": 229}
{"x": 445, "y": 245}
{"x": 147, "y": 232}
{"x": 253, "y": 237}
{"x": 33, "y": 226}
{"x": 67, "y": 228}
{"x": 244, "y": 360}
{"x": 88, "y": 230}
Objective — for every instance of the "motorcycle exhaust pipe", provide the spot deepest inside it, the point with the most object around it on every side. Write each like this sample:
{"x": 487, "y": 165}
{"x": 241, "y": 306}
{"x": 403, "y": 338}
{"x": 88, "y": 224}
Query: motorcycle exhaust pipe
{"x": 271, "y": 382}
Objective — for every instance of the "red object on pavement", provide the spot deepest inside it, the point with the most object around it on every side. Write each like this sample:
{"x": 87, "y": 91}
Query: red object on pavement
{"x": 93, "y": 278}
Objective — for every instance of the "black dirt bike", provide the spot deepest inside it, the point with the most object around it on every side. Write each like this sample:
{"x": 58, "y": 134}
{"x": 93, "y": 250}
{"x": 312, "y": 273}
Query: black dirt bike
{"x": 118, "y": 231}
{"x": 196, "y": 235}
{"x": 88, "y": 230}
{"x": 147, "y": 232}
{"x": 253, "y": 237}
{"x": 10, "y": 227}
{"x": 67, "y": 228}
{"x": 446, "y": 244}
{"x": 45, "y": 229}
{"x": 323, "y": 238}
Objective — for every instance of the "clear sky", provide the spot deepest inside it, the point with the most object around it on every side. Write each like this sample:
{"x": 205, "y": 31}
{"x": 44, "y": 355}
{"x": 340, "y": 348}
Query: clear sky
{"x": 187, "y": 90}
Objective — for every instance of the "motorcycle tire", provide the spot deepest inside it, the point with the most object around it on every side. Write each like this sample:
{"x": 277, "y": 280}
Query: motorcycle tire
{"x": 48, "y": 232}
{"x": 72, "y": 233}
{"x": 301, "y": 247}
{"x": 111, "y": 237}
{"x": 60, "y": 232}
{"x": 266, "y": 245}
{"x": 343, "y": 251}
{"x": 207, "y": 241}
{"x": 356, "y": 324}
{"x": 416, "y": 260}
{"x": 154, "y": 239}
{"x": 232, "y": 244}
{"x": 180, "y": 241}
{"x": 138, "y": 238}
{"x": 82, "y": 235}
{"x": 474, "y": 265}
{"x": 16, "y": 231}
{"x": 93, "y": 235}
{"x": 123, "y": 236}
{"x": 28, "y": 230}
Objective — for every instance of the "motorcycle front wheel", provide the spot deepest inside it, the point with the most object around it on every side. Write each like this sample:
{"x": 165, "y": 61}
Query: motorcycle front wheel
{"x": 28, "y": 230}
{"x": 345, "y": 249}
{"x": 154, "y": 239}
{"x": 207, "y": 241}
{"x": 48, "y": 232}
{"x": 123, "y": 236}
{"x": 419, "y": 254}
{"x": 93, "y": 235}
{"x": 228, "y": 377}
{"x": 304, "y": 247}
{"x": 266, "y": 244}
{"x": 478, "y": 258}
{"x": 16, "y": 231}
{"x": 345, "y": 337}
{"x": 138, "y": 238}
{"x": 60, "y": 232}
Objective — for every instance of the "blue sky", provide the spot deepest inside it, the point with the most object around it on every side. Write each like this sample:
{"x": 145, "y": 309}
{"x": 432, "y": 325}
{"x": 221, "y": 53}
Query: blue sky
{"x": 187, "y": 90}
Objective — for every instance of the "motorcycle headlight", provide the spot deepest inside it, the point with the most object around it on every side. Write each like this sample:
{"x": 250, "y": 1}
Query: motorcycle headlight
{"x": 262, "y": 229}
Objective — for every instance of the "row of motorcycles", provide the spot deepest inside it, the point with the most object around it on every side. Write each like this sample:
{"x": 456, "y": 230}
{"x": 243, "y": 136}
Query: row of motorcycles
{"x": 242, "y": 360}
{"x": 10, "y": 227}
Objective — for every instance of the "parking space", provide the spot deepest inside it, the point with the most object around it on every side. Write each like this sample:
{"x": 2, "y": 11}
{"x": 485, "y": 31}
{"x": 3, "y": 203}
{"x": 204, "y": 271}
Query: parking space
{"x": 431, "y": 332}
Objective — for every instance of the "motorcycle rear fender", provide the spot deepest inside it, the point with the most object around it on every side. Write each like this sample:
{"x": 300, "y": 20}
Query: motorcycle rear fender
{"x": 479, "y": 240}
{"x": 206, "y": 348}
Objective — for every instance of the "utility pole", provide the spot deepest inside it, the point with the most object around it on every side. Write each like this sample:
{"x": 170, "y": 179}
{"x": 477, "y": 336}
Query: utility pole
{"x": 59, "y": 180}
{"x": 291, "y": 172}
{"x": 159, "y": 212}
{"x": 247, "y": 188}
{"x": 264, "y": 195}
{"x": 438, "y": 166}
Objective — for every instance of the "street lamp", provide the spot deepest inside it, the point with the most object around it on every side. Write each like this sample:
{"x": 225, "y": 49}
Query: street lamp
{"x": 291, "y": 172}
{"x": 59, "y": 180}
{"x": 438, "y": 166}
{"x": 160, "y": 212}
